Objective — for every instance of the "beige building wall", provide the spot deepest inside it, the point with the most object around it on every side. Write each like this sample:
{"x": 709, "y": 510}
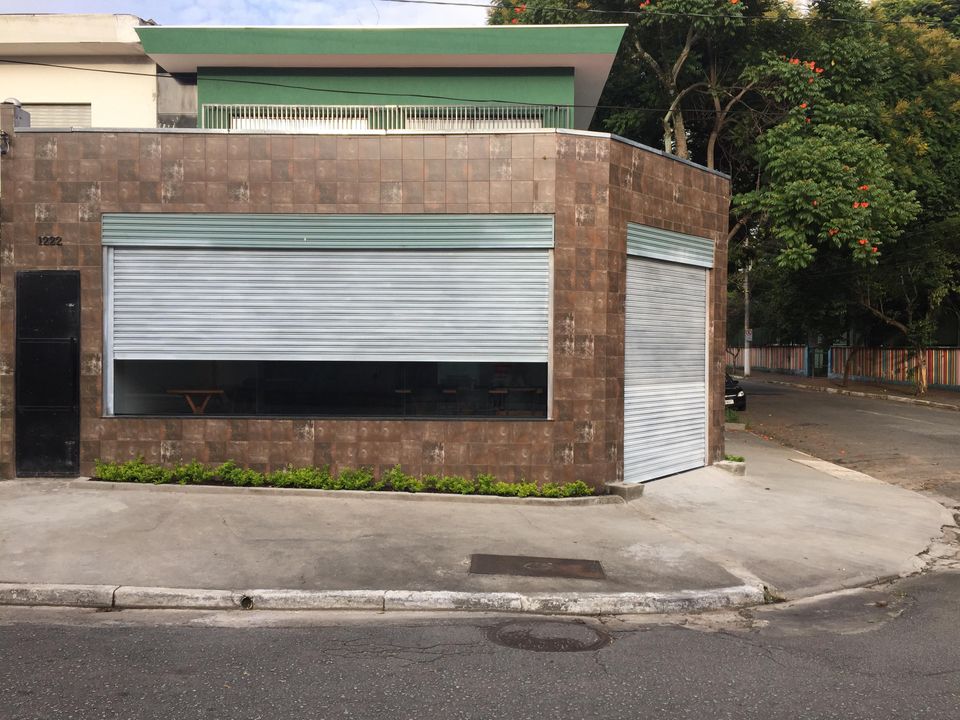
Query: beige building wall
{"x": 116, "y": 100}
{"x": 80, "y": 59}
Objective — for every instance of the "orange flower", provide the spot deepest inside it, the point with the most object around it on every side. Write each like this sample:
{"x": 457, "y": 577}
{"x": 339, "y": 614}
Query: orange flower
{"x": 862, "y": 241}
{"x": 856, "y": 205}
{"x": 803, "y": 106}
{"x": 864, "y": 204}
{"x": 734, "y": 2}
{"x": 818, "y": 70}
{"x": 863, "y": 187}
{"x": 833, "y": 231}
{"x": 815, "y": 203}
{"x": 794, "y": 61}
{"x": 514, "y": 21}
{"x": 876, "y": 249}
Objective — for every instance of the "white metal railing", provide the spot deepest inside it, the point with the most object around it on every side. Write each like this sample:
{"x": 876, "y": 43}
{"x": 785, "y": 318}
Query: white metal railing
{"x": 339, "y": 118}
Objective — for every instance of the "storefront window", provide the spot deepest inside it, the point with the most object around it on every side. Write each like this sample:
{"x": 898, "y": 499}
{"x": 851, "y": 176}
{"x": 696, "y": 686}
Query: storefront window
{"x": 330, "y": 389}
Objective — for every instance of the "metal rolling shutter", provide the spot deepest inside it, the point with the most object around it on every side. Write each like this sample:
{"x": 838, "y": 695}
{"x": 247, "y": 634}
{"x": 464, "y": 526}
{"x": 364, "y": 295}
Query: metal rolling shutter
{"x": 59, "y": 115}
{"x": 449, "y": 305}
{"x": 311, "y": 287}
{"x": 665, "y": 391}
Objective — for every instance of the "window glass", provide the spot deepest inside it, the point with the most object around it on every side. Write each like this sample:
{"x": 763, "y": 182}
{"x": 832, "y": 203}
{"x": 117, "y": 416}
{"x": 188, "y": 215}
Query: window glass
{"x": 335, "y": 389}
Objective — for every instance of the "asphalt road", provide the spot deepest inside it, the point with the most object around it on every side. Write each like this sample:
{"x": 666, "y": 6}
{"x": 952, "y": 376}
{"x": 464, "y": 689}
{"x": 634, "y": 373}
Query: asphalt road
{"x": 889, "y": 653}
{"x": 913, "y": 446}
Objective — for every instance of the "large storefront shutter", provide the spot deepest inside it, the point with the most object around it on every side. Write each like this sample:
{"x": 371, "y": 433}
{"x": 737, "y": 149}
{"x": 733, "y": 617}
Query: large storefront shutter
{"x": 665, "y": 389}
{"x": 227, "y": 303}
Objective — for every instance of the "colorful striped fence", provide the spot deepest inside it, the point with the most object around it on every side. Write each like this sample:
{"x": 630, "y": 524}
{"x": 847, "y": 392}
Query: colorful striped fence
{"x": 897, "y": 365}
{"x": 787, "y": 359}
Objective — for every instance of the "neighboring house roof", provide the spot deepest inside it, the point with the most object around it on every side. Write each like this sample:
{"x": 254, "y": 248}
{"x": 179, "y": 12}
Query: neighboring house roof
{"x": 589, "y": 50}
{"x": 69, "y": 35}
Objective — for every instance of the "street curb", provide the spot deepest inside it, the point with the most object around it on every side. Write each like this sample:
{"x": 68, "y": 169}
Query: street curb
{"x": 89, "y": 596}
{"x": 142, "y": 598}
{"x": 858, "y": 393}
{"x": 88, "y": 484}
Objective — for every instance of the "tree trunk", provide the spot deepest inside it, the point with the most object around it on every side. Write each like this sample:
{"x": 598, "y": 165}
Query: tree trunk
{"x": 712, "y": 148}
{"x": 668, "y": 133}
{"x": 920, "y": 371}
{"x": 847, "y": 364}
{"x": 680, "y": 136}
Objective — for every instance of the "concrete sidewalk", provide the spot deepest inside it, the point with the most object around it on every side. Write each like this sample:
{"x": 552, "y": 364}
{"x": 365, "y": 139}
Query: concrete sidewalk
{"x": 698, "y": 540}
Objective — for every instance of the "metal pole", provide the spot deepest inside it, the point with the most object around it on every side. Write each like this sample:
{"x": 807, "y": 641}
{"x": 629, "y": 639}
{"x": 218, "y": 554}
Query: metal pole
{"x": 746, "y": 311}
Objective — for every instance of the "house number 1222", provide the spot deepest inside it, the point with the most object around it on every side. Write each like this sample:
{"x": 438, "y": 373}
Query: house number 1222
{"x": 49, "y": 240}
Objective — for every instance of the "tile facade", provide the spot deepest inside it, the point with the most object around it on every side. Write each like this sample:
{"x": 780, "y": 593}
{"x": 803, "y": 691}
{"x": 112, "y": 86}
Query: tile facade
{"x": 59, "y": 183}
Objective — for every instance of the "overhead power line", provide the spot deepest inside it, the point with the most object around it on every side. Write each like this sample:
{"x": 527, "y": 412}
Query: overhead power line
{"x": 377, "y": 93}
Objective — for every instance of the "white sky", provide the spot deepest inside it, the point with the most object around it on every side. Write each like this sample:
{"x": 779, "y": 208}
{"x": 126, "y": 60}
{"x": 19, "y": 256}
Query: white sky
{"x": 263, "y": 12}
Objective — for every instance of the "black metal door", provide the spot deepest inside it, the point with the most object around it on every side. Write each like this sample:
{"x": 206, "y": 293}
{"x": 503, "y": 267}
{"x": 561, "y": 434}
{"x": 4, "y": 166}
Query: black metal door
{"x": 48, "y": 373}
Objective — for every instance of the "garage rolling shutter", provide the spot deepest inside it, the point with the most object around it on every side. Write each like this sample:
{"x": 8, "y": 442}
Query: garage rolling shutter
{"x": 665, "y": 400}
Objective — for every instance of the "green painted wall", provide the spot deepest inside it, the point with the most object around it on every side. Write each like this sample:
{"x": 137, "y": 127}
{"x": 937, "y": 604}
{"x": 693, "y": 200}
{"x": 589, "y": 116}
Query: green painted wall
{"x": 550, "y": 86}
{"x": 366, "y": 87}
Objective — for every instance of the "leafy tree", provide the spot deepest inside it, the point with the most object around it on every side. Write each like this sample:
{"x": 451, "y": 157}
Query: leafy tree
{"x": 682, "y": 71}
{"x": 880, "y": 130}
{"x": 840, "y": 133}
{"x": 944, "y": 14}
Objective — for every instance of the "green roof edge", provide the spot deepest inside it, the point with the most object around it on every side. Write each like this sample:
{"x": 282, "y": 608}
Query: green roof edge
{"x": 479, "y": 40}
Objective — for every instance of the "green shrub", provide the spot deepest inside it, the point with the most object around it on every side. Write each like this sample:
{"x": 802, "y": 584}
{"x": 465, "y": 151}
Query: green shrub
{"x": 108, "y": 472}
{"x": 578, "y": 488}
{"x": 361, "y": 479}
{"x": 230, "y": 474}
{"x": 456, "y": 485}
{"x": 484, "y": 483}
{"x": 733, "y": 458}
{"x": 135, "y": 470}
{"x": 281, "y": 478}
{"x": 317, "y": 478}
{"x": 552, "y": 490}
{"x": 192, "y": 473}
{"x": 304, "y": 477}
{"x": 397, "y": 480}
{"x": 527, "y": 489}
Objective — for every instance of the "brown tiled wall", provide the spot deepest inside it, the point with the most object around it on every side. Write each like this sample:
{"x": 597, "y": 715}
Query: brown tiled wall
{"x": 61, "y": 183}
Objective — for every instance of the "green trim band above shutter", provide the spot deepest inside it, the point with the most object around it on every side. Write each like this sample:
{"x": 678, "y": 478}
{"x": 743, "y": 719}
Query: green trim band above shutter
{"x": 328, "y": 232}
{"x": 650, "y": 242}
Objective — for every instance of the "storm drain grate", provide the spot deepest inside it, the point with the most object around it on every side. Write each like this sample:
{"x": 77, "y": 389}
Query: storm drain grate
{"x": 536, "y": 566}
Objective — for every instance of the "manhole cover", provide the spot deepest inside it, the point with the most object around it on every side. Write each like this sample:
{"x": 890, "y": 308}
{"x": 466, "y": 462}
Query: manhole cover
{"x": 536, "y": 566}
{"x": 548, "y": 636}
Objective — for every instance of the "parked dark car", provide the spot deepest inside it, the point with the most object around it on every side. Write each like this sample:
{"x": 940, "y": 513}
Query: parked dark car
{"x": 734, "y": 396}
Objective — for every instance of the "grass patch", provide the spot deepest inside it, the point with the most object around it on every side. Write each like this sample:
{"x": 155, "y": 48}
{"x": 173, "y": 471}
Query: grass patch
{"x": 732, "y": 416}
{"x": 734, "y": 458}
{"x": 314, "y": 478}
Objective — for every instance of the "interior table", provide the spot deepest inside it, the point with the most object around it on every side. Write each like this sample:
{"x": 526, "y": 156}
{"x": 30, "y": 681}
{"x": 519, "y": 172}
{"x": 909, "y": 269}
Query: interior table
{"x": 197, "y": 399}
